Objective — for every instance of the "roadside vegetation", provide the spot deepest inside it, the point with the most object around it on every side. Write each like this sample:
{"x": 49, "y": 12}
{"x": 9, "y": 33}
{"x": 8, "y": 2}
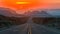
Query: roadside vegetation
{"x": 11, "y": 21}
{"x": 47, "y": 21}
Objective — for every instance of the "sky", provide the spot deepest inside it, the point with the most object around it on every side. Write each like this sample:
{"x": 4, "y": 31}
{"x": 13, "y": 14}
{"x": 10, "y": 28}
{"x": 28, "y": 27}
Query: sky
{"x": 31, "y": 4}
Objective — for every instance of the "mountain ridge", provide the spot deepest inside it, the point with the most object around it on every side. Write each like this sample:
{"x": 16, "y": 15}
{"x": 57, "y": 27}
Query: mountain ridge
{"x": 9, "y": 12}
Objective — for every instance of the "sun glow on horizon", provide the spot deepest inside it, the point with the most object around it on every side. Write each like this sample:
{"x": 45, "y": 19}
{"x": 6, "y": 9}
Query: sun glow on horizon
{"x": 22, "y": 2}
{"x": 30, "y": 4}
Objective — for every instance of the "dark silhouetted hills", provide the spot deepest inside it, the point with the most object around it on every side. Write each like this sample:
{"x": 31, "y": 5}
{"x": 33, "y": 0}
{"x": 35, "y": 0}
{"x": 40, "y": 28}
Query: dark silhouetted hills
{"x": 9, "y": 17}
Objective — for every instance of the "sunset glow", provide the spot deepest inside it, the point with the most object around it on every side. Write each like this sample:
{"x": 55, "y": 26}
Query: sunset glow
{"x": 30, "y": 4}
{"x": 22, "y": 2}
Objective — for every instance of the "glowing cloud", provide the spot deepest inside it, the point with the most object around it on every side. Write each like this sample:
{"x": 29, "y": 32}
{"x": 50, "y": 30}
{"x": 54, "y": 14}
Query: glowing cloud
{"x": 22, "y": 2}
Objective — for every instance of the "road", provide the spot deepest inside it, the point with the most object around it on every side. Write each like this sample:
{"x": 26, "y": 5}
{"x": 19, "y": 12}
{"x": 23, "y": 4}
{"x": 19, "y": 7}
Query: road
{"x": 28, "y": 28}
{"x": 19, "y": 29}
{"x": 39, "y": 29}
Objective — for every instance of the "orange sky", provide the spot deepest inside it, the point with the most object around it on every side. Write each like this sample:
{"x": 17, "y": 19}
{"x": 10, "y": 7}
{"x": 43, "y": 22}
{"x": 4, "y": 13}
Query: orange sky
{"x": 33, "y": 4}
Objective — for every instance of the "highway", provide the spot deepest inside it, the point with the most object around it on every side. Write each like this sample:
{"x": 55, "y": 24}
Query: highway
{"x": 19, "y": 29}
{"x": 28, "y": 28}
{"x": 39, "y": 29}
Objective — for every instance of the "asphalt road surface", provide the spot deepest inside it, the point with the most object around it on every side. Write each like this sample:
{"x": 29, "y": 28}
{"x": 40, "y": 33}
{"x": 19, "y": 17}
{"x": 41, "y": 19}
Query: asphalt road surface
{"x": 20, "y": 29}
{"x": 28, "y": 28}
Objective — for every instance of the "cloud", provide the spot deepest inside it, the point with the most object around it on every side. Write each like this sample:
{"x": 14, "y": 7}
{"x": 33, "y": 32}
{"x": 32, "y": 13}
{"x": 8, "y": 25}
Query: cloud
{"x": 49, "y": 1}
{"x": 34, "y": 4}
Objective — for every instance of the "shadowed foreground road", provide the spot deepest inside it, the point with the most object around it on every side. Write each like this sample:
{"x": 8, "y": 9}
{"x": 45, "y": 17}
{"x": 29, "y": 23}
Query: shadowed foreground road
{"x": 39, "y": 29}
{"x": 20, "y": 29}
{"x": 28, "y": 28}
